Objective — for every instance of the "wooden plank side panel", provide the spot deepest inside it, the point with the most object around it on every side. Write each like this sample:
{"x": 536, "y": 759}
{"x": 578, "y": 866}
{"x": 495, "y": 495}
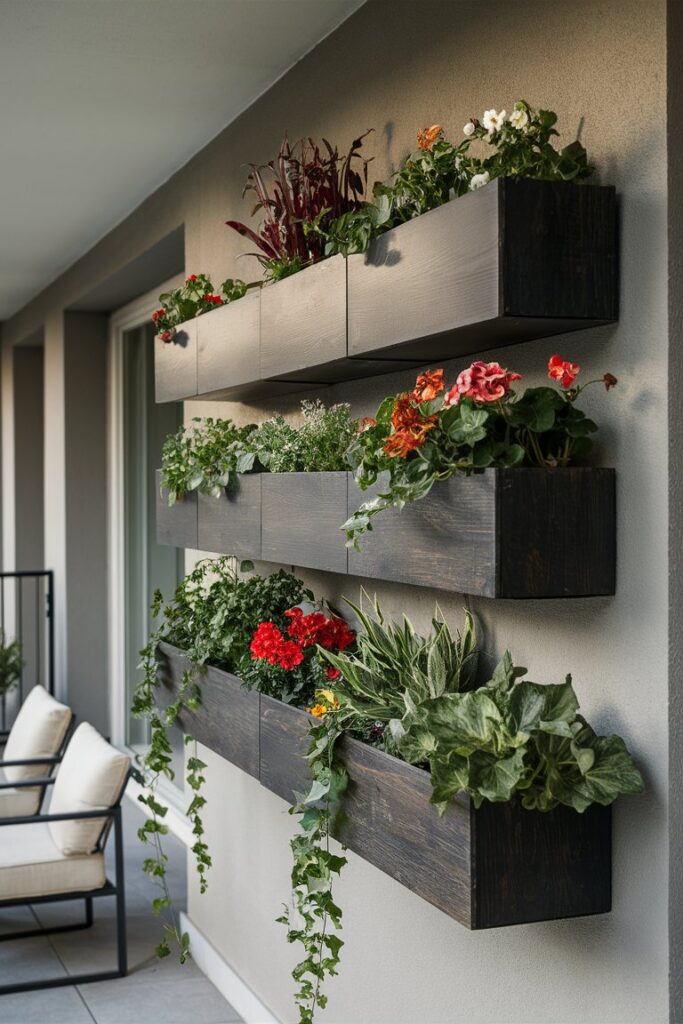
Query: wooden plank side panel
{"x": 283, "y": 745}
{"x": 303, "y": 323}
{"x": 228, "y": 346}
{"x": 301, "y": 518}
{"x": 447, "y": 540}
{"x": 391, "y": 823}
{"x": 175, "y": 365}
{"x": 560, "y": 250}
{"x": 227, "y": 721}
{"x": 557, "y": 532}
{"x": 176, "y": 524}
{"x": 429, "y": 277}
{"x": 533, "y": 866}
{"x": 231, "y": 524}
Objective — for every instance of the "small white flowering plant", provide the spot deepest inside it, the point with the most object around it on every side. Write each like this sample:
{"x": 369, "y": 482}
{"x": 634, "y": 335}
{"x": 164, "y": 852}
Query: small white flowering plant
{"x": 514, "y": 145}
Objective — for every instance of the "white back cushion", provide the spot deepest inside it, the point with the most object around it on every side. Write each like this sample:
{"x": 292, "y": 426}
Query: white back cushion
{"x": 90, "y": 777}
{"x": 38, "y": 731}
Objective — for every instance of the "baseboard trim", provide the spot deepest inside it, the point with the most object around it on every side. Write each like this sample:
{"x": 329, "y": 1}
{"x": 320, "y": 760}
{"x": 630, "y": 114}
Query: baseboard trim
{"x": 228, "y": 983}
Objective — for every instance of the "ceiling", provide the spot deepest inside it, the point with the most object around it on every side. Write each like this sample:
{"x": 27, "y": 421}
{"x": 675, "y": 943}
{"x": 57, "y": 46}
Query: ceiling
{"x": 102, "y": 100}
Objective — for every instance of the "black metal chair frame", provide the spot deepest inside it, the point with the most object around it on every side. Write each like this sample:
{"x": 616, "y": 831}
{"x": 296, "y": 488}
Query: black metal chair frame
{"x": 116, "y": 888}
{"x": 50, "y": 763}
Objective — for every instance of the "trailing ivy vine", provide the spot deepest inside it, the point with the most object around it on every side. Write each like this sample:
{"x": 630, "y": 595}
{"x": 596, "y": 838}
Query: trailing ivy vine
{"x": 314, "y": 918}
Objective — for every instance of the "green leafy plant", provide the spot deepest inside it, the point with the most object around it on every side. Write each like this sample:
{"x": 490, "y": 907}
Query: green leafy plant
{"x": 431, "y": 433}
{"x": 194, "y": 297}
{"x": 11, "y": 664}
{"x": 212, "y": 617}
{"x": 317, "y": 445}
{"x": 203, "y": 457}
{"x": 306, "y": 183}
{"x": 516, "y": 146}
{"x": 511, "y": 737}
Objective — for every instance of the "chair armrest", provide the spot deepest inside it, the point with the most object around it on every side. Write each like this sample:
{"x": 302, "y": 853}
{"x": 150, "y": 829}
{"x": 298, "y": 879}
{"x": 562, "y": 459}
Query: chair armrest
{"x": 29, "y": 761}
{"x": 28, "y": 783}
{"x": 106, "y": 812}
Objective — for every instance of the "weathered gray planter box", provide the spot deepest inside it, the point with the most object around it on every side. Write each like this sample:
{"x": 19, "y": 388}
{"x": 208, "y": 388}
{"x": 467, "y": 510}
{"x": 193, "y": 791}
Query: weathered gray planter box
{"x": 508, "y": 533}
{"x": 176, "y": 524}
{"x": 231, "y": 524}
{"x": 227, "y": 721}
{"x": 499, "y": 865}
{"x": 512, "y": 261}
{"x": 301, "y": 518}
{"x": 303, "y": 324}
{"x": 175, "y": 365}
{"x": 228, "y": 344}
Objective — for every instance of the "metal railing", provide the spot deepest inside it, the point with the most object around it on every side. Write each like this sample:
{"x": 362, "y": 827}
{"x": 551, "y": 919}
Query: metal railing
{"x": 26, "y": 615}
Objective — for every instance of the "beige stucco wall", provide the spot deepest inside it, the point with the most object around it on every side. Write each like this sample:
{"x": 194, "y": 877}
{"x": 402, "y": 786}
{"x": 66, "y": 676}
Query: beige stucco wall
{"x": 397, "y": 66}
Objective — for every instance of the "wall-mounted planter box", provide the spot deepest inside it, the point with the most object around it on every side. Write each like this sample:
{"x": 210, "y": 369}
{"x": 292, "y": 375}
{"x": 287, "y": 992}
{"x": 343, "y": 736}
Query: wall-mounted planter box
{"x": 176, "y": 524}
{"x": 301, "y": 519}
{"x": 507, "y": 533}
{"x": 231, "y": 524}
{"x": 227, "y": 721}
{"x": 499, "y": 865}
{"x": 228, "y": 343}
{"x": 513, "y": 261}
{"x": 175, "y": 365}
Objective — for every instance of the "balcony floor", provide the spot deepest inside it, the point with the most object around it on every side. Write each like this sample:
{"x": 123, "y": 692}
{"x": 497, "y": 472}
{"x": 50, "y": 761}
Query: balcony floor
{"x": 154, "y": 992}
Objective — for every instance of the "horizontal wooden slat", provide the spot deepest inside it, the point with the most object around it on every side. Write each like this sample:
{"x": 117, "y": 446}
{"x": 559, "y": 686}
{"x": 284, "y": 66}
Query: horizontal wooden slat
{"x": 301, "y": 518}
{"x": 176, "y": 524}
{"x": 231, "y": 524}
{"x": 175, "y": 365}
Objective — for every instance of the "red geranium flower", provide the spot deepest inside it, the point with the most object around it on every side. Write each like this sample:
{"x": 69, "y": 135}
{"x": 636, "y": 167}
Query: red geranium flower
{"x": 191, "y": 278}
{"x": 332, "y": 673}
{"x": 563, "y": 371}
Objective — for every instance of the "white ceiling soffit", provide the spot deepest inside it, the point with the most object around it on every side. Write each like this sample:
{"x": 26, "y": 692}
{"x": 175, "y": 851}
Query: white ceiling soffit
{"x": 102, "y": 100}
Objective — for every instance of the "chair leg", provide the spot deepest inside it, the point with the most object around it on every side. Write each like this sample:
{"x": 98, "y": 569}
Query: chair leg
{"x": 57, "y": 929}
{"x": 121, "y": 937}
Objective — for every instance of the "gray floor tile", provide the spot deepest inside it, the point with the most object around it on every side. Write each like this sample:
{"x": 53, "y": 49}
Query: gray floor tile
{"x": 138, "y": 1000}
{"x": 50, "y": 1006}
{"x": 26, "y": 960}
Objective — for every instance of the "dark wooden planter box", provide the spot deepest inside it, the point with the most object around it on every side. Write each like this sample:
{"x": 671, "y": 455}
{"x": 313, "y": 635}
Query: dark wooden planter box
{"x": 508, "y": 533}
{"x": 176, "y": 524}
{"x": 231, "y": 524}
{"x": 227, "y": 721}
{"x": 513, "y": 261}
{"x": 301, "y": 518}
{"x": 175, "y": 365}
{"x": 498, "y": 865}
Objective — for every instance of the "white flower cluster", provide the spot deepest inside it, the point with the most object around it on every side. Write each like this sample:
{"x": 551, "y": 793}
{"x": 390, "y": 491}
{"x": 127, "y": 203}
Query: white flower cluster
{"x": 493, "y": 120}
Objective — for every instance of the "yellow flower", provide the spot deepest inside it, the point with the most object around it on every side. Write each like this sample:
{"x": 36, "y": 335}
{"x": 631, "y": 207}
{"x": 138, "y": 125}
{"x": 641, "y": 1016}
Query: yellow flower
{"x": 318, "y": 710}
{"x": 328, "y": 697}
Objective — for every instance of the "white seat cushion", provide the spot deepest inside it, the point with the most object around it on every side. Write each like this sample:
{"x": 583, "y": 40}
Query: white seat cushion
{"x": 18, "y": 803}
{"x": 38, "y": 731}
{"x": 31, "y": 865}
{"x": 91, "y": 777}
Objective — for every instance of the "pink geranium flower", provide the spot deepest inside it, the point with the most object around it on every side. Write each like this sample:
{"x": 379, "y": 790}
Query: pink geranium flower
{"x": 484, "y": 382}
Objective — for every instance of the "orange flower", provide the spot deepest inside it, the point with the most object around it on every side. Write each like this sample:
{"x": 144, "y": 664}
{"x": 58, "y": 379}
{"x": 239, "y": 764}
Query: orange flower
{"x": 366, "y": 423}
{"x": 428, "y": 386}
{"x": 426, "y": 137}
{"x": 405, "y": 415}
{"x": 318, "y": 710}
{"x": 400, "y": 444}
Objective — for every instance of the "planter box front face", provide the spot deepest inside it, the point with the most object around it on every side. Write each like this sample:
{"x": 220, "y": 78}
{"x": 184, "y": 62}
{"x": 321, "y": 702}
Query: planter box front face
{"x": 231, "y": 524}
{"x": 175, "y": 365}
{"x": 513, "y": 261}
{"x": 515, "y": 533}
{"x": 301, "y": 518}
{"x": 447, "y": 540}
{"x": 303, "y": 324}
{"x": 227, "y": 721}
{"x": 176, "y": 524}
{"x": 228, "y": 345}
